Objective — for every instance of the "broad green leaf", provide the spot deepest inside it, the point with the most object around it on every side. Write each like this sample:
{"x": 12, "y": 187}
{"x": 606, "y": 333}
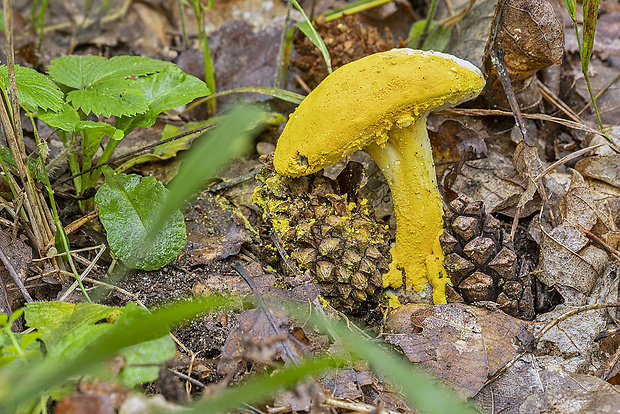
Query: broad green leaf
{"x": 437, "y": 38}
{"x": 82, "y": 72}
{"x": 69, "y": 343}
{"x": 165, "y": 90}
{"x": 66, "y": 118}
{"x": 133, "y": 327}
{"x": 308, "y": 29}
{"x": 590, "y": 16}
{"x": 74, "y": 342}
{"x": 34, "y": 90}
{"x": 119, "y": 97}
{"x": 56, "y": 319}
{"x": 128, "y": 206}
{"x": 146, "y": 358}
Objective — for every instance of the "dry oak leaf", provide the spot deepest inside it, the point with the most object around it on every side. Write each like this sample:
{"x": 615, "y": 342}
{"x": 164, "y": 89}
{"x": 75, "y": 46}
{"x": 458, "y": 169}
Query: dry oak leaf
{"x": 461, "y": 344}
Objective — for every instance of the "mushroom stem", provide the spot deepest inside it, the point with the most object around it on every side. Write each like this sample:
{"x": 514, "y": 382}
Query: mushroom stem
{"x": 406, "y": 161}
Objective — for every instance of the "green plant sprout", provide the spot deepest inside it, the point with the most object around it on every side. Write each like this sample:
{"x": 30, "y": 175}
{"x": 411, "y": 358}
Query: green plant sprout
{"x": 586, "y": 44}
{"x": 74, "y": 98}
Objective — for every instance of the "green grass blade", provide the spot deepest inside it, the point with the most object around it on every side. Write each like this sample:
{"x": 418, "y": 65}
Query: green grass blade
{"x": 570, "y": 8}
{"x": 21, "y": 385}
{"x": 262, "y": 387}
{"x": 590, "y": 15}
{"x": 308, "y": 29}
{"x": 419, "y": 388}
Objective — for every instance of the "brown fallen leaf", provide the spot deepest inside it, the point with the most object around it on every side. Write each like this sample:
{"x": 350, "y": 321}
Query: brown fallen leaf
{"x": 532, "y": 38}
{"x": 604, "y": 168}
{"x": 256, "y": 341}
{"x": 568, "y": 261}
{"x": 461, "y": 344}
{"x": 215, "y": 230}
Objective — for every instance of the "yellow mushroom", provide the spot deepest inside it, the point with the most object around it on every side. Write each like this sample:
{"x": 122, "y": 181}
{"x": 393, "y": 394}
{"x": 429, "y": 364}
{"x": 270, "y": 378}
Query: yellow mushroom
{"x": 380, "y": 104}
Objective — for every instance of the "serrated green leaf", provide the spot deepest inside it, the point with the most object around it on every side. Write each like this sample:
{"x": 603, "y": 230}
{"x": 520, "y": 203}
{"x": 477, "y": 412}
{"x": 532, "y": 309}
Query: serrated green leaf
{"x": 146, "y": 358}
{"x": 82, "y": 72}
{"x": 56, "y": 319}
{"x": 120, "y": 97}
{"x": 171, "y": 88}
{"x": 77, "y": 72}
{"x": 590, "y": 16}
{"x": 128, "y": 205}
{"x": 165, "y": 90}
{"x": 34, "y": 90}
{"x": 66, "y": 118}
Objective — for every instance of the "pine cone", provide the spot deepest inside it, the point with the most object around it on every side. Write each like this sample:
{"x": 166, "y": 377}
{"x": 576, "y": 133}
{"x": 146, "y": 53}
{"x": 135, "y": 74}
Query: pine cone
{"x": 338, "y": 241}
{"x": 481, "y": 260}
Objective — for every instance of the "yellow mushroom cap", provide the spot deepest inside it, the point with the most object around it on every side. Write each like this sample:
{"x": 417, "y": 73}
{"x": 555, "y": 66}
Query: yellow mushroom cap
{"x": 361, "y": 101}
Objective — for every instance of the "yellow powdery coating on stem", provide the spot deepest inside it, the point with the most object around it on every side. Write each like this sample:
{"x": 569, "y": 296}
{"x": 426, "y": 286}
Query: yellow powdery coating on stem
{"x": 360, "y": 102}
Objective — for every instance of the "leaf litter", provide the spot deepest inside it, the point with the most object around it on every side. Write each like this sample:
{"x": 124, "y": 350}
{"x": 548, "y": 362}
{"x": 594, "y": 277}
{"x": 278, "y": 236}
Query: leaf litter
{"x": 463, "y": 345}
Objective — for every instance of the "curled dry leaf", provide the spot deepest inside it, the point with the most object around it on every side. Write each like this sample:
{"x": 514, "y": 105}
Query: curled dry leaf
{"x": 460, "y": 344}
{"x": 532, "y": 38}
{"x": 453, "y": 142}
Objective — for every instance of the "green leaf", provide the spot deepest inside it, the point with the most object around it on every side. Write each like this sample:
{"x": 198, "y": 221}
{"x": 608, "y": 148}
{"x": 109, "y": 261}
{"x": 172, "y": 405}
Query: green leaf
{"x": 73, "y": 342}
{"x": 68, "y": 335}
{"x": 119, "y": 97}
{"x": 34, "y": 90}
{"x": 66, "y": 118}
{"x": 57, "y": 319}
{"x": 590, "y": 16}
{"x": 308, "y": 29}
{"x": 146, "y": 358}
{"x": 128, "y": 206}
{"x": 29, "y": 348}
{"x": 133, "y": 327}
{"x": 83, "y": 72}
{"x": 92, "y": 133}
{"x": 165, "y": 90}
{"x": 437, "y": 38}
